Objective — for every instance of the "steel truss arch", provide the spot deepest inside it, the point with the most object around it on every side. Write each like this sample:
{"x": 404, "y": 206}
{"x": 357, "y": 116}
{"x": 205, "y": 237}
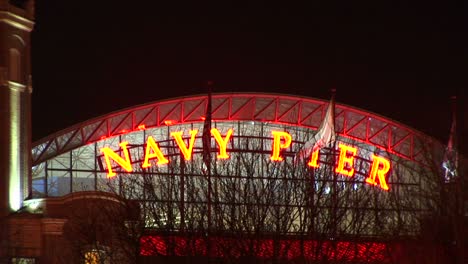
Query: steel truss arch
{"x": 350, "y": 122}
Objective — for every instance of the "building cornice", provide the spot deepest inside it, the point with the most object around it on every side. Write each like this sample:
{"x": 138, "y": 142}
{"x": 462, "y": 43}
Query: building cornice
{"x": 16, "y": 86}
{"x": 16, "y": 21}
{"x": 38, "y": 205}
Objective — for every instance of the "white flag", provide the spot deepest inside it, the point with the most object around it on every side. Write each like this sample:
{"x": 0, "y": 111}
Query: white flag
{"x": 325, "y": 134}
{"x": 450, "y": 162}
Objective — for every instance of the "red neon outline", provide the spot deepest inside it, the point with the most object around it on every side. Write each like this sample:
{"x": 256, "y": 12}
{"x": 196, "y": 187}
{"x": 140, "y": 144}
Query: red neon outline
{"x": 281, "y": 140}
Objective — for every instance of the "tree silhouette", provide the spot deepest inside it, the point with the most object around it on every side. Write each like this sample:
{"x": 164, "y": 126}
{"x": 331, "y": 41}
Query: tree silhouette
{"x": 250, "y": 208}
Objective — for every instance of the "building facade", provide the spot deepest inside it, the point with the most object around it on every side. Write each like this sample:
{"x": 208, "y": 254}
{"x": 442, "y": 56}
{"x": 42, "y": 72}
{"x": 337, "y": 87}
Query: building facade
{"x": 354, "y": 199}
{"x": 226, "y": 177}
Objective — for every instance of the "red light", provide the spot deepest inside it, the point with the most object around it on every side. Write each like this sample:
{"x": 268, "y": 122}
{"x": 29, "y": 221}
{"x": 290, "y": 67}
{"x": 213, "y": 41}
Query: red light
{"x": 289, "y": 249}
{"x": 169, "y": 122}
{"x": 141, "y": 127}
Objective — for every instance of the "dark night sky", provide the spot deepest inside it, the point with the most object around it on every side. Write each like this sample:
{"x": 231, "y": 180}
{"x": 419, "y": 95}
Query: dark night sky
{"x": 400, "y": 59}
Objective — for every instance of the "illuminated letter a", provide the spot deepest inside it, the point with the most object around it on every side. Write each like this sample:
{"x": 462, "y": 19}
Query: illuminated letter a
{"x": 151, "y": 145}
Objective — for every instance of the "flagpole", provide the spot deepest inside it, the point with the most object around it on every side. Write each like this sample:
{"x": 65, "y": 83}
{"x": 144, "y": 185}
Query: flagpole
{"x": 457, "y": 215}
{"x": 453, "y": 136}
{"x": 209, "y": 162}
{"x": 182, "y": 193}
{"x": 334, "y": 191}
{"x": 322, "y": 138}
{"x": 207, "y": 150}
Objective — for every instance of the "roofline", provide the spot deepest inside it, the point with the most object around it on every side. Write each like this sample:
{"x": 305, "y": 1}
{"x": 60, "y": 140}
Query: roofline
{"x": 226, "y": 107}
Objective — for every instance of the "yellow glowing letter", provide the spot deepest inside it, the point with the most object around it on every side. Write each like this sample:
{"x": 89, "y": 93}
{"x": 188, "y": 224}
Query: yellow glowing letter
{"x": 277, "y": 145}
{"x": 124, "y": 163}
{"x": 314, "y": 158}
{"x": 222, "y": 143}
{"x": 347, "y": 154}
{"x": 381, "y": 171}
{"x": 180, "y": 142}
{"x": 151, "y": 145}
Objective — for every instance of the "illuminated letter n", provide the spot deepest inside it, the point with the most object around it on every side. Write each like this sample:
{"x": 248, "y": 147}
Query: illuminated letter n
{"x": 110, "y": 154}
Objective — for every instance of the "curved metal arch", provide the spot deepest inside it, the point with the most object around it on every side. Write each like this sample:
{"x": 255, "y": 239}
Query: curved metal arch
{"x": 20, "y": 39}
{"x": 350, "y": 122}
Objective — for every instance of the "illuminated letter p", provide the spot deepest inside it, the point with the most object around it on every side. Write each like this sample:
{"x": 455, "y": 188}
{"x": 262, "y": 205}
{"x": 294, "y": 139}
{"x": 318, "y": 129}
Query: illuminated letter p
{"x": 277, "y": 145}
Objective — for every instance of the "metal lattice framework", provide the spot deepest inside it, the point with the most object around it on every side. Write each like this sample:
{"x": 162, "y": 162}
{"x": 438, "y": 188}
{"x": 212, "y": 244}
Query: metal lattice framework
{"x": 249, "y": 197}
{"x": 350, "y": 122}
